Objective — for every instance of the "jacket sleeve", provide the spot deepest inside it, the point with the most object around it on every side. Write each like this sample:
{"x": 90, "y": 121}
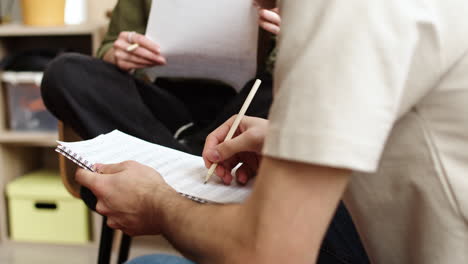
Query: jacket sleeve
{"x": 128, "y": 15}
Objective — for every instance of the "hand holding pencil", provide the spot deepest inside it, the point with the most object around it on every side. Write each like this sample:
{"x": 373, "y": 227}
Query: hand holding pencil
{"x": 222, "y": 154}
{"x": 132, "y": 50}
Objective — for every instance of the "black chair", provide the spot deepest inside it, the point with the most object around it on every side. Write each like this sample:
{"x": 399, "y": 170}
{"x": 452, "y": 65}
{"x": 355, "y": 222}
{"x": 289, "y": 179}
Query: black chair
{"x": 105, "y": 245}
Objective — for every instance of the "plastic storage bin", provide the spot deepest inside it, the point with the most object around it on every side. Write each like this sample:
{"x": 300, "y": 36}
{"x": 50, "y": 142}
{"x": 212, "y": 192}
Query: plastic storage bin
{"x": 41, "y": 210}
{"x": 26, "y": 108}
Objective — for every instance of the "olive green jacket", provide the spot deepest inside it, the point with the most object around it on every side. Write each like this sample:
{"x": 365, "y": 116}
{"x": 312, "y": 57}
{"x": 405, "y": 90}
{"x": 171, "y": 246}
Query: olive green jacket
{"x": 128, "y": 15}
{"x": 132, "y": 15}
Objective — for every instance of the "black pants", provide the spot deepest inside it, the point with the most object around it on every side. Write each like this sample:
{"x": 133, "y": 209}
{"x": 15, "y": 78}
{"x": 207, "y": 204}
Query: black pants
{"x": 95, "y": 97}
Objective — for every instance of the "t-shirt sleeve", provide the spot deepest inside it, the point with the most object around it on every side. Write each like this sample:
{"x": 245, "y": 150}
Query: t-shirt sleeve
{"x": 339, "y": 79}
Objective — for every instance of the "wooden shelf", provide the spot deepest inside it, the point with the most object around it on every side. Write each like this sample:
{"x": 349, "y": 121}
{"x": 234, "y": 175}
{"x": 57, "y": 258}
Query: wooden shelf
{"x": 19, "y": 30}
{"x": 35, "y": 139}
{"x": 21, "y": 152}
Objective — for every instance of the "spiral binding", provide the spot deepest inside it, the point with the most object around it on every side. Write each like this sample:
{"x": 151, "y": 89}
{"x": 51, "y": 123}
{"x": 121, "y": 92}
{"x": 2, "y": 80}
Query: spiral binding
{"x": 194, "y": 198}
{"x": 78, "y": 160}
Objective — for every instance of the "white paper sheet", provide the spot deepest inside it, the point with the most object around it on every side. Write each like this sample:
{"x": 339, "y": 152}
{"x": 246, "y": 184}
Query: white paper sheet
{"x": 209, "y": 39}
{"x": 184, "y": 172}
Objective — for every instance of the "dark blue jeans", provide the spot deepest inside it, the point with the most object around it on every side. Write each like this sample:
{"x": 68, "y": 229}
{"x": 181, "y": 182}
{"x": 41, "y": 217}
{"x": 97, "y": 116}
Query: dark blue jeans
{"x": 160, "y": 259}
{"x": 340, "y": 246}
{"x": 342, "y": 243}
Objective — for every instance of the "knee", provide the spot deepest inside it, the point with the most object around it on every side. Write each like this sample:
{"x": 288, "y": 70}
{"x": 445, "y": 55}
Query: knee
{"x": 61, "y": 74}
{"x": 63, "y": 69}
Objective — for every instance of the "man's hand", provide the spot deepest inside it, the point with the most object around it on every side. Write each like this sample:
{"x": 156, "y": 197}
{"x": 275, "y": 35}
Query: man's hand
{"x": 128, "y": 194}
{"x": 245, "y": 147}
{"x": 147, "y": 54}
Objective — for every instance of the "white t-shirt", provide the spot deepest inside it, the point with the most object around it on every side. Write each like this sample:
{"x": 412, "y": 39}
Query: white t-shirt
{"x": 381, "y": 87}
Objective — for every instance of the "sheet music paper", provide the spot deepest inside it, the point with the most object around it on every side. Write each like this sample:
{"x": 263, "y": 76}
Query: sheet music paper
{"x": 184, "y": 172}
{"x": 209, "y": 39}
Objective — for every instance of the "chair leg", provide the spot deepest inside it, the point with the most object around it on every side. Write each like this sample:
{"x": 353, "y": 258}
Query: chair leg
{"x": 105, "y": 244}
{"x": 124, "y": 249}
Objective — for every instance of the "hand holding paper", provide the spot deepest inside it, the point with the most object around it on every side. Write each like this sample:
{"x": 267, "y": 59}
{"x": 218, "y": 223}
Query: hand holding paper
{"x": 134, "y": 51}
{"x": 125, "y": 193}
{"x": 270, "y": 20}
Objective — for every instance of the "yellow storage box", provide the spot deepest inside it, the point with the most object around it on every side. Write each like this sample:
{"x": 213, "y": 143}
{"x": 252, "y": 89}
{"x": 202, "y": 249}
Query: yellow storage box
{"x": 41, "y": 210}
{"x": 43, "y": 12}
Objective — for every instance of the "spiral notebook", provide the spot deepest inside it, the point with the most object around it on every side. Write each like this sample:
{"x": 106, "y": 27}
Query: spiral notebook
{"x": 184, "y": 172}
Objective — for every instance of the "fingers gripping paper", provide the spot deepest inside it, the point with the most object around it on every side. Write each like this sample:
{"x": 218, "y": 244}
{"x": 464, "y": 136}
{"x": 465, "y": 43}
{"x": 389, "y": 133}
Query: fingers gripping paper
{"x": 209, "y": 39}
{"x": 184, "y": 172}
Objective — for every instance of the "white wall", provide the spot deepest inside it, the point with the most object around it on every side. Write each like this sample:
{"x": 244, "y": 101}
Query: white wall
{"x": 15, "y": 11}
{"x": 97, "y": 9}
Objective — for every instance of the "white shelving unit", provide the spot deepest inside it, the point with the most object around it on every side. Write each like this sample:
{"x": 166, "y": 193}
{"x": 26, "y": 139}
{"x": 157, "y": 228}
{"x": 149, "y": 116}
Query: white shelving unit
{"x": 22, "y": 152}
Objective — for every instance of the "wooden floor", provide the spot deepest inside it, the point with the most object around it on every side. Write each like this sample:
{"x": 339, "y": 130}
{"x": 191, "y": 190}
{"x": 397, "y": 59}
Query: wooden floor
{"x": 23, "y": 254}
{"x": 26, "y": 253}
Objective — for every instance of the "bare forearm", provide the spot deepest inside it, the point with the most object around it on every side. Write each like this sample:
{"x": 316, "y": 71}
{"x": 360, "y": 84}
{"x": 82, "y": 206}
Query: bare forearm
{"x": 205, "y": 233}
{"x": 293, "y": 204}
{"x": 283, "y": 221}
